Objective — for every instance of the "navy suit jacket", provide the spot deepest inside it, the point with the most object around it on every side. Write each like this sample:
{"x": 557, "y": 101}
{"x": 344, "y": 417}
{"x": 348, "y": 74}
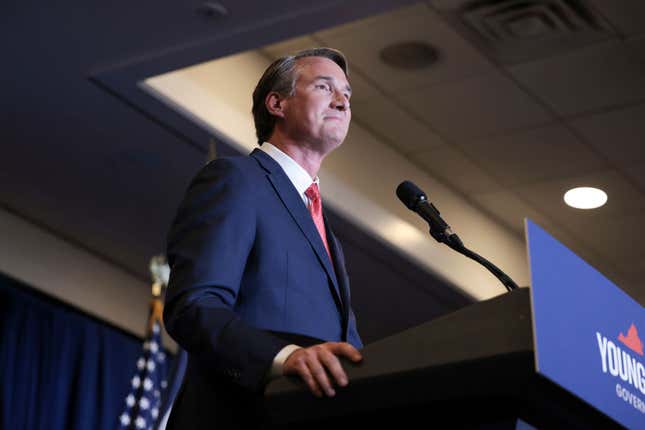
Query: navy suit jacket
{"x": 249, "y": 275}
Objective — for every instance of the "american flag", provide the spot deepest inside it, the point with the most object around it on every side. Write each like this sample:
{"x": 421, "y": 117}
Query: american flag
{"x": 142, "y": 403}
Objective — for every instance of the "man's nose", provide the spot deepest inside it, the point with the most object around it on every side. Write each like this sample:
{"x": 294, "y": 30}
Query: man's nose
{"x": 339, "y": 101}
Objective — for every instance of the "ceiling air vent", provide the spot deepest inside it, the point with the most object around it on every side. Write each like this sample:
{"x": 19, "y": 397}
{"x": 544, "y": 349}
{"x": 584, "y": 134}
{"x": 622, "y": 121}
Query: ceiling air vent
{"x": 521, "y": 30}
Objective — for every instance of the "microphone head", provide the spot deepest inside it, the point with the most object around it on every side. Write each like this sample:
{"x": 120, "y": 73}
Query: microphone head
{"x": 409, "y": 194}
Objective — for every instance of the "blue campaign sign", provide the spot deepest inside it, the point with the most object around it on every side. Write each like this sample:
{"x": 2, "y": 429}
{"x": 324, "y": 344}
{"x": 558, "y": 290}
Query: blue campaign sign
{"x": 587, "y": 332}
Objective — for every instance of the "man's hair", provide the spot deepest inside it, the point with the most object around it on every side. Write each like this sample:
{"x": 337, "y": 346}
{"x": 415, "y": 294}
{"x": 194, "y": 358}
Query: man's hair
{"x": 280, "y": 77}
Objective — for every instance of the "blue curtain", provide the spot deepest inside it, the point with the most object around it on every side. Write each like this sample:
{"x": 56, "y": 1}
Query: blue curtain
{"x": 60, "y": 368}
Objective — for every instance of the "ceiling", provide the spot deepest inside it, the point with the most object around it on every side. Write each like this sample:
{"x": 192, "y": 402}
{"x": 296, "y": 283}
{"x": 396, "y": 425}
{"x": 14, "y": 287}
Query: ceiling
{"x": 82, "y": 159}
{"x": 513, "y": 126}
{"x": 507, "y": 125}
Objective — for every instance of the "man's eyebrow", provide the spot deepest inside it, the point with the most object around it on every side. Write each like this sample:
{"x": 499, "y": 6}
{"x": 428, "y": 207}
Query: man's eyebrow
{"x": 330, "y": 79}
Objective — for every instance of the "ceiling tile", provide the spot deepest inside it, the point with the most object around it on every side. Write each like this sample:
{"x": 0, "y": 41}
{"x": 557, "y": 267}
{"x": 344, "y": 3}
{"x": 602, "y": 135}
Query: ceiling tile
{"x": 636, "y": 173}
{"x": 363, "y": 41}
{"x": 628, "y": 16}
{"x": 618, "y": 134}
{"x": 451, "y": 167}
{"x": 633, "y": 266}
{"x": 290, "y": 46}
{"x": 362, "y": 90}
{"x": 534, "y": 155}
{"x": 510, "y": 209}
{"x": 475, "y": 107}
{"x": 587, "y": 79}
{"x": 616, "y": 238}
{"x": 636, "y": 48}
{"x": 547, "y": 197}
{"x": 384, "y": 118}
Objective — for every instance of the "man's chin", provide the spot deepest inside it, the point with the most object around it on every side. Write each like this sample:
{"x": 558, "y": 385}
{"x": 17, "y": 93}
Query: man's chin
{"x": 333, "y": 142}
{"x": 336, "y": 137}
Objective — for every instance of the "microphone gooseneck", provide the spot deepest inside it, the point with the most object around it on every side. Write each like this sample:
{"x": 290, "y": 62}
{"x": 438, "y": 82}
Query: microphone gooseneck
{"x": 417, "y": 201}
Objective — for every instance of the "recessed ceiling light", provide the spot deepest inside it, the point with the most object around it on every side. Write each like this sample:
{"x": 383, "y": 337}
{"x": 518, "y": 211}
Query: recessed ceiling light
{"x": 410, "y": 55}
{"x": 585, "y": 198}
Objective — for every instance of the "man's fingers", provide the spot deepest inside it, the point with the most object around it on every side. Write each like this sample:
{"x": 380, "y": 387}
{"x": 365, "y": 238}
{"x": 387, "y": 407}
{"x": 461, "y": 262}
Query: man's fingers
{"x": 346, "y": 350}
{"x": 308, "y": 378}
{"x": 319, "y": 374}
{"x": 306, "y": 364}
{"x": 313, "y": 364}
{"x": 334, "y": 367}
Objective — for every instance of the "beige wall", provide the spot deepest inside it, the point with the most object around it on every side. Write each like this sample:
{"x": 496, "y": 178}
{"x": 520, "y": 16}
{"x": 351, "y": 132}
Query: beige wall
{"x": 73, "y": 275}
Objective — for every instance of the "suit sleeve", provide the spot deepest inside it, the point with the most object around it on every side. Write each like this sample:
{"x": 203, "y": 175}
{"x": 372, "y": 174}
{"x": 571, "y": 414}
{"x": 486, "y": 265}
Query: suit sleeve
{"x": 208, "y": 246}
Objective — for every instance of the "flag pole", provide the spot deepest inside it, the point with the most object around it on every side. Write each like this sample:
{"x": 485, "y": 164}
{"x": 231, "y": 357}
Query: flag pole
{"x": 143, "y": 402}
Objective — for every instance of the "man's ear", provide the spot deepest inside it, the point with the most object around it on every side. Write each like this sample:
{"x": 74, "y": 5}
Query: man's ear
{"x": 275, "y": 104}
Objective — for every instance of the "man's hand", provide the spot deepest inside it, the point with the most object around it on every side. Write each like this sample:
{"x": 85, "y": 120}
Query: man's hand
{"x": 313, "y": 363}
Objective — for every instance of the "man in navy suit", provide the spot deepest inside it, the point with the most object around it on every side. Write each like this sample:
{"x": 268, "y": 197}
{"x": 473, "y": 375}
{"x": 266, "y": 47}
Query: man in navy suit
{"x": 258, "y": 285}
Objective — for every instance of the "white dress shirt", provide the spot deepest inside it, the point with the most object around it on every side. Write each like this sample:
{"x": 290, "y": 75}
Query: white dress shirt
{"x": 295, "y": 172}
{"x": 301, "y": 180}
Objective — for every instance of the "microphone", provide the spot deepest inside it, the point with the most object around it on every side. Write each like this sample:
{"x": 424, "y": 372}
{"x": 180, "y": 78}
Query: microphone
{"x": 417, "y": 201}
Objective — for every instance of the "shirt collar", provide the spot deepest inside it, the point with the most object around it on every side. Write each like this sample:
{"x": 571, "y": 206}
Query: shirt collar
{"x": 294, "y": 171}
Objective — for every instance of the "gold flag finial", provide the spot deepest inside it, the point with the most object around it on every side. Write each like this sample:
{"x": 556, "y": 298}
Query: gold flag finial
{"x": 160, "y": 272}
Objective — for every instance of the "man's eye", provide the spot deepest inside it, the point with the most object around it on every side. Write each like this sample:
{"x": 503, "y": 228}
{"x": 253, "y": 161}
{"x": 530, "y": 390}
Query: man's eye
{"x": 324, "y": 87}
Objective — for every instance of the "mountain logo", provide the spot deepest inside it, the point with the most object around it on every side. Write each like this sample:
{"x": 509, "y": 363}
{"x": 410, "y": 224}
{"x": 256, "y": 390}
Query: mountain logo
{"x": 632, "y": 341}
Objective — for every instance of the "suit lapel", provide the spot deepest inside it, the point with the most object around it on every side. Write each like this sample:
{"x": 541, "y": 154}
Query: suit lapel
{"x": 343, "y": 278}
{"x": 293, "y": 202}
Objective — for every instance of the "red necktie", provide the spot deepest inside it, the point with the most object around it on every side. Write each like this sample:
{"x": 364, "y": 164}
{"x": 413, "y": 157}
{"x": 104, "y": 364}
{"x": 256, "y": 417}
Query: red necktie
{"x": 315, "y": 208}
